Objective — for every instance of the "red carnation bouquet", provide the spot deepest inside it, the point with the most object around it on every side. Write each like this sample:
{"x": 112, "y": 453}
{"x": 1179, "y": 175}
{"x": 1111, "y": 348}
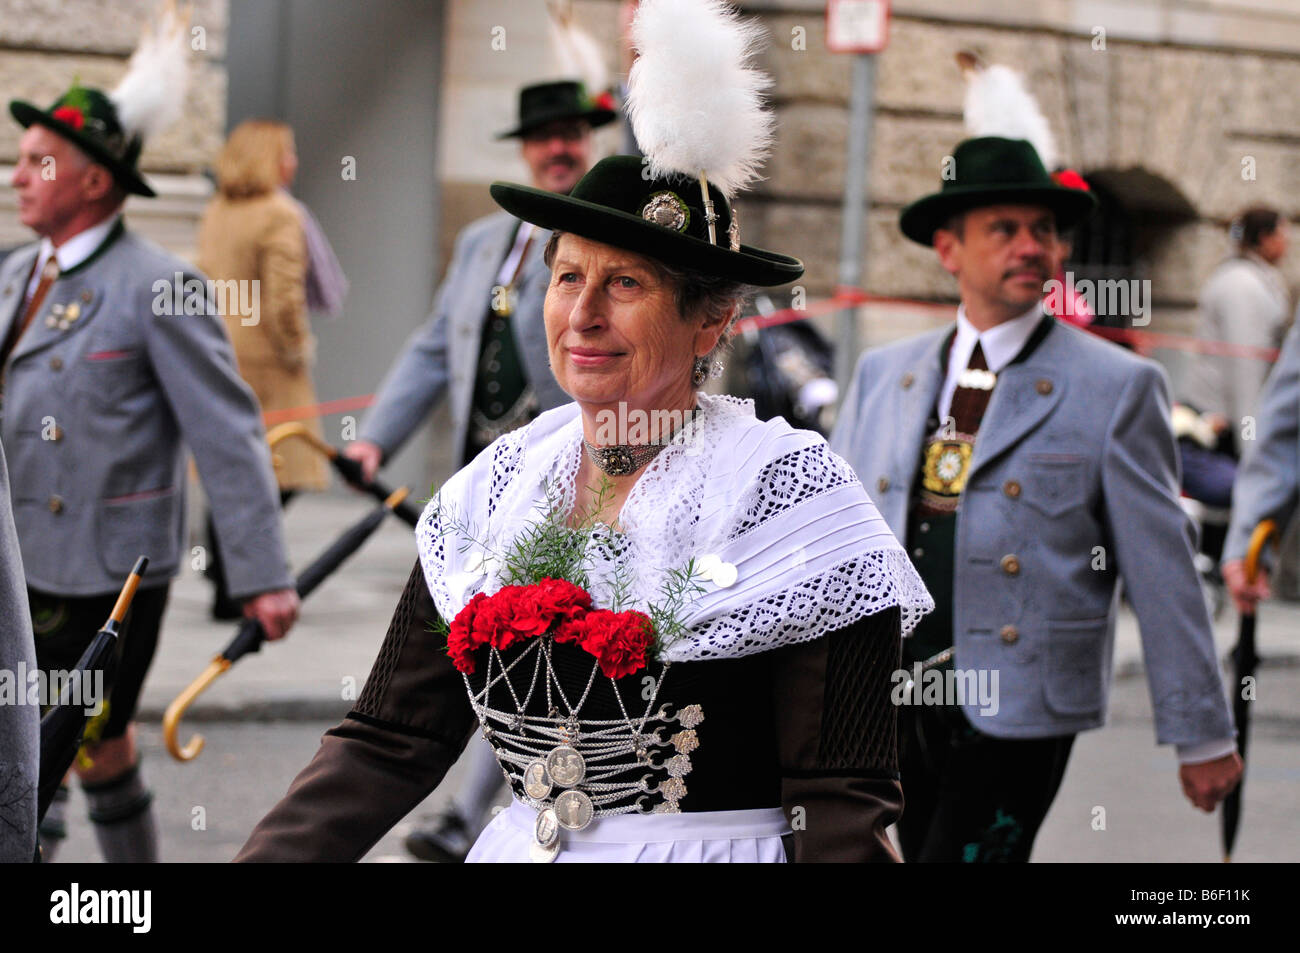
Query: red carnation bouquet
{"x": 545, "y": 570}
{"x": 554, "y": 607}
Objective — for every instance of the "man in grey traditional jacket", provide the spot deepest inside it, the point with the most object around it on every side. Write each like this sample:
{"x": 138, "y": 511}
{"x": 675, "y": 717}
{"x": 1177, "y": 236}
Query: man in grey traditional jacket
{"x": 1029, "y": 468}
{"x": 1268, "y": 480}
{"x": 484, "y": 345}
{"x": 112, "y": 363}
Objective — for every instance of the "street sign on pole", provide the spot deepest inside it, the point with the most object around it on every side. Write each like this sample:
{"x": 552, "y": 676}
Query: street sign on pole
{"x": 857, "y": 26}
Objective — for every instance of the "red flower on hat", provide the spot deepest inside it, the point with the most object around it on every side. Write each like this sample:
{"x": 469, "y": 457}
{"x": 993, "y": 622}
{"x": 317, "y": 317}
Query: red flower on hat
{"x": 604, "y": 101}
{"x": 1071, "y": 180}
{"x": 71, "y": 116}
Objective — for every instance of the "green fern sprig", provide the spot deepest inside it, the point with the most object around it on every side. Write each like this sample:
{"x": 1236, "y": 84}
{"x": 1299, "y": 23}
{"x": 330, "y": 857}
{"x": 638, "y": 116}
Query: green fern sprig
{"x": 560, "y": 546}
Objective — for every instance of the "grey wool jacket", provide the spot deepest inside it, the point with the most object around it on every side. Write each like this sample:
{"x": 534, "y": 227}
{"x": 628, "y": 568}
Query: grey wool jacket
{"x": 106, "y": 390}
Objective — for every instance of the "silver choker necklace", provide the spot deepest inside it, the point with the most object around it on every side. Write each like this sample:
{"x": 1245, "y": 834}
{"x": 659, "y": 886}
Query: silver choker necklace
{"x": 622, "y": 459}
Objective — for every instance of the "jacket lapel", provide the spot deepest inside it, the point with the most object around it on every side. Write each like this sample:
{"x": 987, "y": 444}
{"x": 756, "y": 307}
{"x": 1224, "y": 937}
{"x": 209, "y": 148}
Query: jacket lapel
{"x": 70, "y": 305}
{"x": 1025, "y": 396}
{"x": 917, "y": 403}
{"x": 13, "y": 290}
{"x": 530, "y": 329}
{"x": 487, "y": 263}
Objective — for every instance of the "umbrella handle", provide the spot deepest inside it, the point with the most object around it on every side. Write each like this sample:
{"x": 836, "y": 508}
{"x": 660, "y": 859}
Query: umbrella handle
{"x": 1265, "y": 531}
{"x": 296, "y": 429}
{"x": 348, "y": 468}
{"x": 181, "y": 703}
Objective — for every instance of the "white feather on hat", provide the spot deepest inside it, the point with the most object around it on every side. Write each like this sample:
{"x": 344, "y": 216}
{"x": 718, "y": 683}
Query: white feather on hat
{"x": 151, "y": 95}
{"x": 695, "y": 105}
{"x": 999, "y": 104}
{"x": 578, "y": 54}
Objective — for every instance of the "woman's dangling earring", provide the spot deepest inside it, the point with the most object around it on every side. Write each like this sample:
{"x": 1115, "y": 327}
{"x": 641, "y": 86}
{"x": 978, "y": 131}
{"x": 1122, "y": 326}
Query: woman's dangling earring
{"x": 701, "y": 371}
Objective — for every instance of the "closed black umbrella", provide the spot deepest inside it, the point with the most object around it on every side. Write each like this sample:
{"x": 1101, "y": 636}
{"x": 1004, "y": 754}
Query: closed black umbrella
{"x": 1244, "y": 661}
{"x": 250, "y": 636}
{"x": 64, "y": 723}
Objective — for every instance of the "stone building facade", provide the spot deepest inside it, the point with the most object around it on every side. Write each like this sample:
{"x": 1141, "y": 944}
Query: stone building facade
{"x": 44, "y": 44}
{"x": 1181, "y": 111}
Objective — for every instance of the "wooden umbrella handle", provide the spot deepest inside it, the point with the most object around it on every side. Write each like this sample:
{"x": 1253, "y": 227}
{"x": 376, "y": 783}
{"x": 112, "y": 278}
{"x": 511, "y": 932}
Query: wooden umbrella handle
{"x": 1265, "y": 531}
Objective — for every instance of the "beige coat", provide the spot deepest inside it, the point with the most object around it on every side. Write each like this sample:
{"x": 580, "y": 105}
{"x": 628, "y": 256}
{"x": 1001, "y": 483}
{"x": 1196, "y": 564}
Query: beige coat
{"x": 261, "y": 239}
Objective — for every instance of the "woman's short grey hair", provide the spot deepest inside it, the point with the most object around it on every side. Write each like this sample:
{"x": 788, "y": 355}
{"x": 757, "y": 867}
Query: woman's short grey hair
{"x": 695, "y": 293}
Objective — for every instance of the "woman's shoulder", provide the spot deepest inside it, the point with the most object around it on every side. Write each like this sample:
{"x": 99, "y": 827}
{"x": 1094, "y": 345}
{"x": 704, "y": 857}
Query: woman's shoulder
{"x": 745, "y": 448}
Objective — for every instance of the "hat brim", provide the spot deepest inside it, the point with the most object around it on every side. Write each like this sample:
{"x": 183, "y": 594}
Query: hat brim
{"x": 595, "y": 118}
{"x": 920, "y": 219}
{"x": 556, "y": 212}
{"x": 27, "y": 115}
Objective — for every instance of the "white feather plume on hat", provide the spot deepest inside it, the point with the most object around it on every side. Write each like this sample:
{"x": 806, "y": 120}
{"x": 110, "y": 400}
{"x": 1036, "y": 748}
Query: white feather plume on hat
{"x": 999, "y": 104}
{"x": 578, "y": 54}
{"x": 695, "y": 105}
{"x": 151, "y": 95}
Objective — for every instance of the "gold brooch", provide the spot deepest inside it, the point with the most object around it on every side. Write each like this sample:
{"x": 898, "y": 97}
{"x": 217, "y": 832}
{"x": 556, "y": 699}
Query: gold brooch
{"x": 945, "y": 468}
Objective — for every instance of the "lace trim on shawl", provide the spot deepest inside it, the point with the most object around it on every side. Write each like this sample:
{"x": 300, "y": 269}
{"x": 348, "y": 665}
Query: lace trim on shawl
{"x": 665, "y": 524}
{"x": 816, "y": 606}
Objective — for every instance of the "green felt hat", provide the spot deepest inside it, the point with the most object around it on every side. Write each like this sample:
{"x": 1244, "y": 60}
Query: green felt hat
{"x": 991, "y": 170}
{"x": 88, "y": 119}
{"x": 555, "y": 102}
{"x": 661, "y": 218}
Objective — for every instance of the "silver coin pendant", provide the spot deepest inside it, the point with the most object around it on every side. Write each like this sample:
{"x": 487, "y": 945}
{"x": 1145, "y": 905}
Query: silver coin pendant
{"x": 573, "y": 810}
{"x": 546, "y": 830}
{"x": 565, "y": 766}
{"x": 543, "y": 855}
{"x": 537, "y": 784}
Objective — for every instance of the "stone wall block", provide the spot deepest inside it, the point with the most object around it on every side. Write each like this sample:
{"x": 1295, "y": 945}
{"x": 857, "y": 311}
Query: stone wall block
{"x": 99, "y": 26}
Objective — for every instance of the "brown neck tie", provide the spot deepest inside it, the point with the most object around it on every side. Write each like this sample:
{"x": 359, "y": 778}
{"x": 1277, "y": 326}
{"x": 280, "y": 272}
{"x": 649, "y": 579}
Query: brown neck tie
{"x": 969, "y": 403}
{"x": 49, "y": 274}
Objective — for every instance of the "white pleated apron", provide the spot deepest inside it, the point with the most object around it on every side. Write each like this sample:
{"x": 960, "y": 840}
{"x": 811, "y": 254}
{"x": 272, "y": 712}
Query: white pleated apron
{"x": 700, "y": 837}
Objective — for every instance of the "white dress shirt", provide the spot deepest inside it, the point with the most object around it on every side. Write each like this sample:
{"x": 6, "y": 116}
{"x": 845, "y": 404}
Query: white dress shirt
{"x": 72, "y": 252}
{"x": 509, "y": 267}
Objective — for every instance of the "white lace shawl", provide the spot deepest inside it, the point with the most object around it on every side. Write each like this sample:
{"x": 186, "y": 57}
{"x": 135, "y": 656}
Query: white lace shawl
{"x": 810, "y": 551}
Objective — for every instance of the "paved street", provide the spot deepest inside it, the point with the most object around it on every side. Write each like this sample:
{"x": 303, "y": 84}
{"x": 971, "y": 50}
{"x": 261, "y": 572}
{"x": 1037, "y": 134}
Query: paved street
{"x": 263, "y": 721}
{"x": 248, "y": 765}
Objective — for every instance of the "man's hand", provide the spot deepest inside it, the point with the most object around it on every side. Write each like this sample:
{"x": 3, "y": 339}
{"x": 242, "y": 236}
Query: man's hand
{"x": 1245, "y": 595}
{"x": 1208, "y": 783}
{"x": 368, "y": 454}
{"x": 277, "y": 612}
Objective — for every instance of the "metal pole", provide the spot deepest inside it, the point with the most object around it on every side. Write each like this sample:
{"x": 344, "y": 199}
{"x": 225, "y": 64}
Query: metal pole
{"x": 856, "y": 207}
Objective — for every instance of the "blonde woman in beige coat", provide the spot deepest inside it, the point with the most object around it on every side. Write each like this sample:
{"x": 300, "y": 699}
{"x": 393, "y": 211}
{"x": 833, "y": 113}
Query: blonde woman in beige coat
{"x": 251, "y": 233}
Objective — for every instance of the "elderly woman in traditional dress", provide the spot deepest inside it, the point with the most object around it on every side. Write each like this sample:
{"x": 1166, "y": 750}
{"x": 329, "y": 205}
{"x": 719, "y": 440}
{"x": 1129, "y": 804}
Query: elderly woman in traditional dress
{"x": 771, "y": 715}
{"x": 677, "y": 625}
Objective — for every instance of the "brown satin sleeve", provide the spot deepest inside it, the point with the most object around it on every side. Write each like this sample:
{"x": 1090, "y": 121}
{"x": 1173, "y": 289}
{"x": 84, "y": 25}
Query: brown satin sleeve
{"x": 837, "y": 739}
{"x": 409, "y": 725}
